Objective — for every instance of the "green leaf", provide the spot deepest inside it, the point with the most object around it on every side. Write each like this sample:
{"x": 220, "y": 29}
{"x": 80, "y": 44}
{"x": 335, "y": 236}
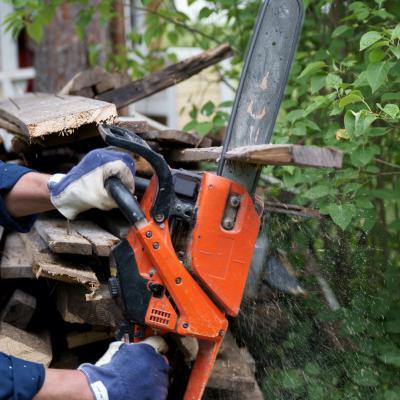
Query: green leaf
{"x": 396, "y": 32}
{"x": 392, "y": 110}
{"x": 35, "y": 31}
{"x": 377, "y": 74}
{"x": 205, "y": 12}
{"x": 376, "y": 55}
{"x": 204, "y": 127}
{"x": 395, "y": 51}
{"x": 391, "y": 358}
{"x": 364, "y": 203}
{"x": 340, "y": 30}
{"x": 208, "y": 108}
{"x": 391, "y": 96}
{"x": 190, "y": 126}
{"x": 318, "y": 191}
{"x": 350, "y": 99}
{"x": 317, "y": 83}
{"x": 295, "y": 115}
{"x": 369, "y": 38}
{"x": 363, "y": 155}
{"x": 363, "y": 121}
{"x": 341, "y": 214}
{"x": 333, "y": 81}
{"x": 312, "y": 68}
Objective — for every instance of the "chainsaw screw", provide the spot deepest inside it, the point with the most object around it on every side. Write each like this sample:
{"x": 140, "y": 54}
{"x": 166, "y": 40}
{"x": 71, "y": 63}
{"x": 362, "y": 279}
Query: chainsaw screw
{"x": 149, "y": 234}
{"x": 178, "y": 281}
{"x": 159, "y": 217}
{"x": 228, "y": 224}
{"x": 221, "y": 332}
{"x": 156, "y": 245}
{"x": 162, "y": 226}
{"x": 234, "y": 201}
{"x": 178, "y": 207}
{"x": 185, "y": 325}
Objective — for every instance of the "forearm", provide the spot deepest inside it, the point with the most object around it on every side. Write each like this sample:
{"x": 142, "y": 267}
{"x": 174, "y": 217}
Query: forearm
{"x": 62, "y": 384}
{"x": 29, "y": 195}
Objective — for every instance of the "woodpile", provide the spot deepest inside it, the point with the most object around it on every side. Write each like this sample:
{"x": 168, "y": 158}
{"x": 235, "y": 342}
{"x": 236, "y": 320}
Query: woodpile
{"x": 54, "y": 303}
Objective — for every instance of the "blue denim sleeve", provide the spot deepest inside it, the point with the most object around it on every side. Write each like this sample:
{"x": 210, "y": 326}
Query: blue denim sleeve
{"x": 19, "y": 379}
{"x": 9, "y": 176}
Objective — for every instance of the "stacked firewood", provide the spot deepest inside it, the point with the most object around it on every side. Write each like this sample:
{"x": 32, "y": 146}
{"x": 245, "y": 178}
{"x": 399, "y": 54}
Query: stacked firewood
{"x": 54, "y": 302}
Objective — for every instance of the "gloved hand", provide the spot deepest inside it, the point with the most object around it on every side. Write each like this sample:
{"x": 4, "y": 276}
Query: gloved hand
{"x": 130, "y": 371}
{"x": 82, "y": 188}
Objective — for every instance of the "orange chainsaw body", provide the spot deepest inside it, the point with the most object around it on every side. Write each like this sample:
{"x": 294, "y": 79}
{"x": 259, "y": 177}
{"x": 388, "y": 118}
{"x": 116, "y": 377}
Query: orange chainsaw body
{"x": 198, "y": 296}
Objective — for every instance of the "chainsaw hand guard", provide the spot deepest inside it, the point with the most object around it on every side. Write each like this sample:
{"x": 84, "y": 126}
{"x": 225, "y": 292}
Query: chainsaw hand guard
{"x": 165, "y": 198}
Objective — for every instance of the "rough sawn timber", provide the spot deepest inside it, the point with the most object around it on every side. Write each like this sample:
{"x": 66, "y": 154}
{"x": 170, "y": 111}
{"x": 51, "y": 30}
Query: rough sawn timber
{"x": 75, "y": 237}
{"x": 16, "y": 261}
{"x": 267, "y": 154}
{"x": 48, "y": 265}
{"x": 166, "y": 77}
{"x": 27, "y": 346}
{"x": 40, "y": 114}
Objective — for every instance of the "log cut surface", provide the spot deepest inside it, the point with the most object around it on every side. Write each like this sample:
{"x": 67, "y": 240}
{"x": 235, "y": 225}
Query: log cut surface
{"x": 267, "y": 154}
{"x": 40, "y": 114}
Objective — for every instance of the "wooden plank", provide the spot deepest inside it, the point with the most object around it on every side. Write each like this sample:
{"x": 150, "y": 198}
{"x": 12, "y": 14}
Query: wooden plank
{"x": 27, "y": 346}
{"x": 19, "y": 309}
{"x": 41, "y": 114}
{"x": 165, "y": 137}
{"x": 267, "y": 154}
{"x": 74, "y": 309}
{"x": 48, "y": 265}
{"x": 166, "y": 77}
{"x": 75, "y": 237}
{"x": 61, "y": 237}
{"x": 16, "y": 261}
{"x": 102, "y": 241}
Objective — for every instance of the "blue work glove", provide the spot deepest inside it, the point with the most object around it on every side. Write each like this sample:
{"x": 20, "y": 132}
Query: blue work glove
{"x": 83, "y": 187}
{"x": 130, "y": 371}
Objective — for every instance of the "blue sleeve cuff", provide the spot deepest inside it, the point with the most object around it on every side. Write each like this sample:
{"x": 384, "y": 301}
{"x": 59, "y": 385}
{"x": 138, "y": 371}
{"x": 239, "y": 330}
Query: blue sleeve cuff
{"x": 19, "y": 379}
{"x": 9, "y": 176}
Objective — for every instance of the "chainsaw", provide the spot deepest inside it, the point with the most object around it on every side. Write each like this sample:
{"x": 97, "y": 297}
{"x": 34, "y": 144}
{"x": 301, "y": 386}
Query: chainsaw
{"x": 183, "y": 267}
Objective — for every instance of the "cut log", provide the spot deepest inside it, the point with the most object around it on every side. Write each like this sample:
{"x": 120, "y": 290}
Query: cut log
{"x": 16, "y": 261}
{"x": 166, "y": 77}
{"x": 48, "y": 265}
{"x": 267, "y": 154}
{"x": 27, "y": 346}
{"x": 19, "y": 309}
{"x": 38, "y": 115}
{"x": 74, "y": 309}
{"x": 76, "y": 237}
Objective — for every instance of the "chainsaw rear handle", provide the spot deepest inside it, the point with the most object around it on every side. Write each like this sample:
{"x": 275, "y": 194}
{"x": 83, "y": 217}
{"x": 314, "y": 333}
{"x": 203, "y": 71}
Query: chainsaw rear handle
{"x": 125, "y": 200}
{"x": 115, "y": 136}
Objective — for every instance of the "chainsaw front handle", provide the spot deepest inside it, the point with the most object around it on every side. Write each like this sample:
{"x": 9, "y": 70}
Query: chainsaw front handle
{"x": 125, "y": 200}
{"x": 165, "y": 197}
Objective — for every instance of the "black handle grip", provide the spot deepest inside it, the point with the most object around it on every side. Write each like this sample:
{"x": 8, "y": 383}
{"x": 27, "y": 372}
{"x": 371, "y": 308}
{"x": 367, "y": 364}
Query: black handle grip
{"x": 115, "y": 136}
{"x": 127, "y": 203}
